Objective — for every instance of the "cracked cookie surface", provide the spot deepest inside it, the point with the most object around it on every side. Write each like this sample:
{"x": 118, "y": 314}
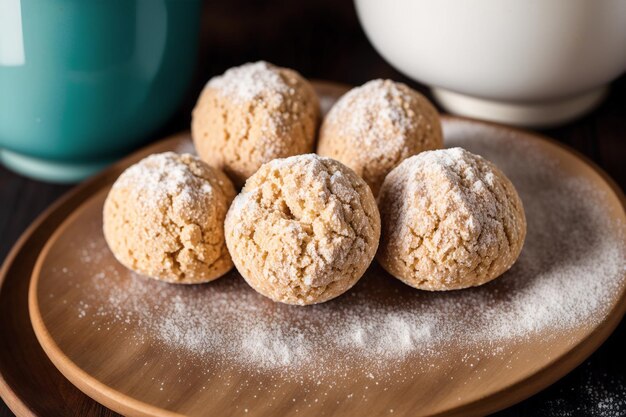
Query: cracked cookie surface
{"x": 164, "y": 218}
{"x": 373, "y": 128}
{"x": 303, "y": 230}
{"x": 252, "y": 114}
{"x": 450, "y": 220}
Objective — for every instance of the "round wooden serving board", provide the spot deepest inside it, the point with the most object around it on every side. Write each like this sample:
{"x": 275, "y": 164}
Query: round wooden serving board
{"x": 107, "y": 330}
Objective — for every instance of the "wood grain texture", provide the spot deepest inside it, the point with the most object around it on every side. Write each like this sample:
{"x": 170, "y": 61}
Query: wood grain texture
{"x": 322, "y": 39}
{"x": 108, "y": 369}
{"x": 30, "y": 384}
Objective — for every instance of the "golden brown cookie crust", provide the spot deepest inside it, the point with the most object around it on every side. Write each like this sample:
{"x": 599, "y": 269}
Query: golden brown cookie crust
{"x": 164, "y": 218}
{"x": 373, "y": 128}
{"x": 303, "y": 230}
{"x": 450, "y": 220}
{"x": 252, "y": 114}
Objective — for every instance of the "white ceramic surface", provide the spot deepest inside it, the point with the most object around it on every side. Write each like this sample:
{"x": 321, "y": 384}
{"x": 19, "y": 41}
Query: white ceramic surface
{"x": 527, "y": 62}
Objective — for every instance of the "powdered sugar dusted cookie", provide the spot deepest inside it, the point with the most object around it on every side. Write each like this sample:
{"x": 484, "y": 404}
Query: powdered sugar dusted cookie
{"x": 303, "y": 230}
{"x": 164, "y": 217}
{"x": 373, "y": 128}
{"x": 450, "y": 219}
{"x": 252, "y": 114}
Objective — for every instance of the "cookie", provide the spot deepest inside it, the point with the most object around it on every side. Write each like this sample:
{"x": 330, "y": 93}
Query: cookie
{"x": 252, "y": 114}
{"x": 164, "y": 218}
{"x": 450, "y": 220}
{"x": 373, "y": 128}
{"x": 303, "y": 230}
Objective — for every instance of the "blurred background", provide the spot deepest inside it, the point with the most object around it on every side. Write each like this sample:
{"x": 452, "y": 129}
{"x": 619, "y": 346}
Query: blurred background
{"x": 323, "y": 39}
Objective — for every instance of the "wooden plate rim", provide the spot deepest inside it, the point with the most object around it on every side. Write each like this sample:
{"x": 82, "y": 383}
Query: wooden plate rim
{"x": 71, "y": 200}
{"x": 493, "y": 402}
{"x": 511, "y": 394}
{"x": 113, "y": 399}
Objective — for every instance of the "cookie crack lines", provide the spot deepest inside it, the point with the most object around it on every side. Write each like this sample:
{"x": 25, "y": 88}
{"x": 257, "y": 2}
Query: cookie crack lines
{"x": 305, "y": 228}
{"x": 159, "y": 213}
{"x": 362, "y": 191}
{"x": 457, "y": 218}
{"x": 316, "y": 255}
{"x": 269, "y": 103}
{"x": 375, "y": 121}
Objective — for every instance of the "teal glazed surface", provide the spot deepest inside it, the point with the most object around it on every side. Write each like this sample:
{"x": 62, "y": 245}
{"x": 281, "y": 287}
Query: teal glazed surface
{"x": 97, "y": 76}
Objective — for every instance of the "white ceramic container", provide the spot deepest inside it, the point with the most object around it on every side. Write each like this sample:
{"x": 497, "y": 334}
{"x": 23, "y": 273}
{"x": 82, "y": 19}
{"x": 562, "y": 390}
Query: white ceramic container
{"x": 524, "y": 62}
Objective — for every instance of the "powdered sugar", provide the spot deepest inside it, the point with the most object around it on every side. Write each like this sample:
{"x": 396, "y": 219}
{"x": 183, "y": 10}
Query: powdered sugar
{"x": 252, "y": 114}
{"x": 372, "y": 128}
{"x": 305, "y": 223}
{"x": 249, "y": 81}
{"x": 450, "y": 223}
{"x": 570, "y": 269}
{"x": 377, "y": 110}
{"x": 598, "y": 393}
{"x": 160, "y": 176}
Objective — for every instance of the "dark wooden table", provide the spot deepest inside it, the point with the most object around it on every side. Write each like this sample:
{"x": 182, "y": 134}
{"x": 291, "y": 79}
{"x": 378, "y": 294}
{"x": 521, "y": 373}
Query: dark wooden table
{"x": 322, "y": 39}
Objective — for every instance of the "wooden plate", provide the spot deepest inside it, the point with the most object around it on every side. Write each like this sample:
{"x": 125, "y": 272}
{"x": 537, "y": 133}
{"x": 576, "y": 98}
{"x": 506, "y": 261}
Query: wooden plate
{"x": 131, "y": 369}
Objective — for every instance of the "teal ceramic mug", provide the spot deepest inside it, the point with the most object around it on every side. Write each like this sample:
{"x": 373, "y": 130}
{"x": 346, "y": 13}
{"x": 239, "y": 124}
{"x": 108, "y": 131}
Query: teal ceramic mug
{"x": 84, "y": 81}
